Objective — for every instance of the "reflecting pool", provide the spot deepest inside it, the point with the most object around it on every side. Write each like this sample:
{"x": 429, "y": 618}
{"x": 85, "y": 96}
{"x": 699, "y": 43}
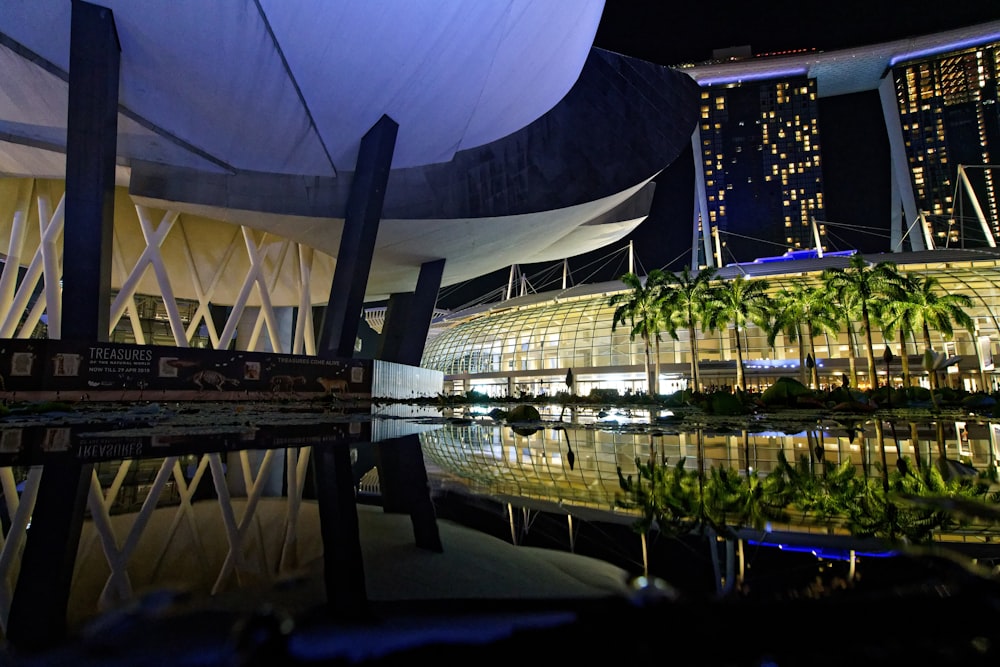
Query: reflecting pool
{"x": 194, "y": 507}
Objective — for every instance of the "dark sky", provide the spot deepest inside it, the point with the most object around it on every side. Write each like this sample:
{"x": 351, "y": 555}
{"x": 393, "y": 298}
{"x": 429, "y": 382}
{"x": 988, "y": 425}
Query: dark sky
{"x": 855, "y": 150}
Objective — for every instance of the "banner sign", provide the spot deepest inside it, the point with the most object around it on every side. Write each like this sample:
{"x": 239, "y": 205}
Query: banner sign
{"x": 122, "y": 371}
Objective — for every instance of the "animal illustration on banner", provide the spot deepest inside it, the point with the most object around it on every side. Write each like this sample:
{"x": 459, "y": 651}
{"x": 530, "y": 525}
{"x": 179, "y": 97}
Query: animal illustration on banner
{"x": 286, "y": 383}
{"x": 331, "y": 384}
{"x": 213, "y": 379}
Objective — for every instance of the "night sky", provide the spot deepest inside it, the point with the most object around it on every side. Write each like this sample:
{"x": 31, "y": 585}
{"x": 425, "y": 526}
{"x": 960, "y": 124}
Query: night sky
{"x": 855, "y": 150}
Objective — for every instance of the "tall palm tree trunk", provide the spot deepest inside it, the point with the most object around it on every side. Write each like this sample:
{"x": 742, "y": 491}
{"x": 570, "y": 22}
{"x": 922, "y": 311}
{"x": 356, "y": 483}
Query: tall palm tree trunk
{"x": 852, "y": 354}
{"x": 904, "y": 357}
{"x": 802, "y": 355}
{"x": 932, "y": 375}
{"x": 695, "y": 371}
{"x": 656, "y": 377}
{"x": 870, "y": 347}
{"x": 812, "y": 351}
{"x": 739, "y": 363}
{"x": 649, "y": 370}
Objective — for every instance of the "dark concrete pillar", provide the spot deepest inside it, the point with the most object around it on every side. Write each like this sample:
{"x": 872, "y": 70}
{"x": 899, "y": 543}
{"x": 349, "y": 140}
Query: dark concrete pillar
{"x": 408, "y": 318}
{"x": 354, "y": 258}
{"x": 343, "y": 562}
{"x": 91, "y": 145}
{"x": 403, "y": 482}
{"x": 38, "y": 609}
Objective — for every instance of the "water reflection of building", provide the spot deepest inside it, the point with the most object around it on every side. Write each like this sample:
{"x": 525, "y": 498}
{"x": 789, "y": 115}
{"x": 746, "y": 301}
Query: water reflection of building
{"x": 529, "y": 343}
{"x": 576, "y": 467}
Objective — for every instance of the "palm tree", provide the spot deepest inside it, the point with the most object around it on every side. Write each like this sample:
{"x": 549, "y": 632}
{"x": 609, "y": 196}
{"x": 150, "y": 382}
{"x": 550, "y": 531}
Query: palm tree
{"x": 924, "y": 305}
{"x": 898, "y": 320}
{"x": 640, "y": 308}
{"x": 786, "y": 318}
{"x": 684, "y": 299}
{"x": 820, "y": 314}
{"x": 740, "y": 302}
{"x": 866, "y": 288}
{"x": 800, "y": 305}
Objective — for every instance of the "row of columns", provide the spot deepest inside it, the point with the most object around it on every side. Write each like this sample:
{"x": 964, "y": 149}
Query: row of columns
{"x": 38, "y": 608}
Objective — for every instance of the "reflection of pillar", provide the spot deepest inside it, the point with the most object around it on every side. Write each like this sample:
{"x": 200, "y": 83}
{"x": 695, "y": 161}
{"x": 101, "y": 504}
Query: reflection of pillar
{"x": 341, "y": 319}
{"x": 343, "y": 563}
{"x": 37, "y": 615}
{"x": 272, "y": 486}
{"x": 403, "y": 480}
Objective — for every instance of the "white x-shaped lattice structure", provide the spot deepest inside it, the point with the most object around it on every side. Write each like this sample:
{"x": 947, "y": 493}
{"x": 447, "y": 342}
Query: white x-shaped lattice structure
{"x": 253, "y": 268}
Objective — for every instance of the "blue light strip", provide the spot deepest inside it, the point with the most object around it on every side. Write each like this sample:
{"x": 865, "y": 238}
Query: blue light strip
{"x": 828, "y": 554}
{"x": 979, "y": 40}
{"x": 753, "y": 76}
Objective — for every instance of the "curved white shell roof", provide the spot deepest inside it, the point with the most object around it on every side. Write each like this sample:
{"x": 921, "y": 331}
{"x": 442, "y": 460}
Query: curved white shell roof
{"x": 290, "y": 86}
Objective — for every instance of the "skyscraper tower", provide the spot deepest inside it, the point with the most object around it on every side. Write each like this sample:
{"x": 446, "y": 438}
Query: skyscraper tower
{"x": 949, "y": 113}
{"x": 759, "y": 149}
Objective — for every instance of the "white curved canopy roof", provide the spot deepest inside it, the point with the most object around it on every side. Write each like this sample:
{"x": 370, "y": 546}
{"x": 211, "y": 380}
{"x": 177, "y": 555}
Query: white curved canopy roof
{"x": 290, "y": 86}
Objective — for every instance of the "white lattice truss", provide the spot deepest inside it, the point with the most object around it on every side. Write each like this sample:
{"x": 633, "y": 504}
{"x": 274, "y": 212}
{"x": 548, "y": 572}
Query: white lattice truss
{"x": 46, "y": 265}
{"x": 254, "y": 554}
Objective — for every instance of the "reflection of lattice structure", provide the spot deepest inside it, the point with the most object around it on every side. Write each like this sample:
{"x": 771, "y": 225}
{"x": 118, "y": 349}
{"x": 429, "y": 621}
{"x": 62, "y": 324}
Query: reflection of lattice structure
{"x": 172, "y": 534}
{"x": 369, "y": 484}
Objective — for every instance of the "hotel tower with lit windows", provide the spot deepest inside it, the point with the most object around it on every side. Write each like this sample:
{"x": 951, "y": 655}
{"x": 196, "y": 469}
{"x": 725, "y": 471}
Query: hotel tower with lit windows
{"x": 949, "y": 114}
{"x": 759, "y": 152}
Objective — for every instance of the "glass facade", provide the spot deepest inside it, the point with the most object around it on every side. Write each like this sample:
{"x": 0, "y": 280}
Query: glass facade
{"x": 529, "y": 347}
{"x": 950, "y": 116}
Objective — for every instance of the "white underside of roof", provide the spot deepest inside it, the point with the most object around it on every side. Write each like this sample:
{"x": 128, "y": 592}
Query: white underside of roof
{"x": 290, "y": 86}
{"x": 206, "y": 240}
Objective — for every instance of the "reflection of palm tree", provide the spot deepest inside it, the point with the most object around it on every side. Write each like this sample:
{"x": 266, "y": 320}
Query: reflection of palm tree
{"x": 739, "y": 302}
{"x": 570, "y": 456}
{"x": 684, "y": 299}
{"x": 866, "y": 288}
{"x": 640, "y": 308}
